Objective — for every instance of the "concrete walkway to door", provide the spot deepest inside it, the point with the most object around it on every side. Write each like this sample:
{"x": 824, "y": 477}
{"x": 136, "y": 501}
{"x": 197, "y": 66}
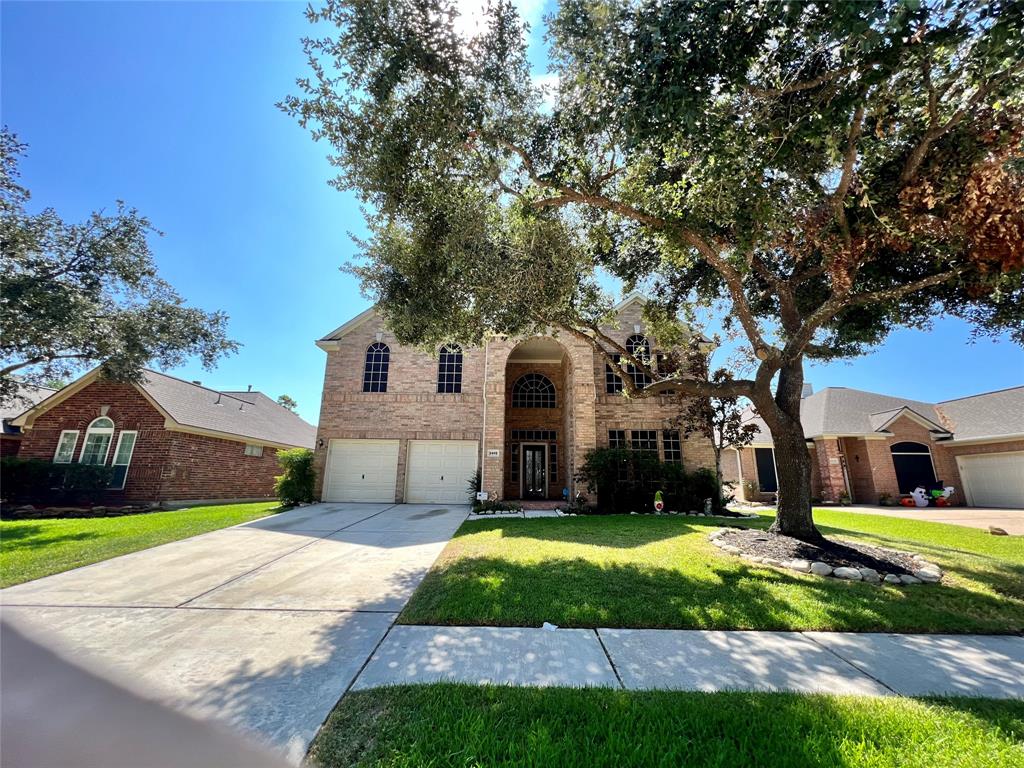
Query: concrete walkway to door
{"x": 262, "y": 626}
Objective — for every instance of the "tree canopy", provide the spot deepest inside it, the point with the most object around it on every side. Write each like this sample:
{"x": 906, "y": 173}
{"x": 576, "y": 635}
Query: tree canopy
{"x": 831, "y": 171}
{"x": 76, "y": 295}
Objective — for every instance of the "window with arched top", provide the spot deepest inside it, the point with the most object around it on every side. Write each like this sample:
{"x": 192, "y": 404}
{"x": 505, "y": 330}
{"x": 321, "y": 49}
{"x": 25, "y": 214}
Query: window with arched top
{"x": 449, "y": 369}
{"x": 533, "y": 390}
{"x": 375, "y": 371}
{"x": 913, "y": 464}
{"x": 640, "y": 348}
{"x": 97, "y": 441}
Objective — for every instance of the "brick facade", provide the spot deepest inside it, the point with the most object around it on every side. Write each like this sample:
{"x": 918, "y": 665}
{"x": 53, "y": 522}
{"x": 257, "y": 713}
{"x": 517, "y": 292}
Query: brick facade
{"x": 869, "y": 463}
{"x": 166, "y": 465}
{"x": 412, "y": 409}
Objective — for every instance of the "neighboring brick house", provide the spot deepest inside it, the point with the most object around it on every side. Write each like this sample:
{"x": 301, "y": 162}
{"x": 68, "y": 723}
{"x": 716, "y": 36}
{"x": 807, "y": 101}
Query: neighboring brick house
{"x": 867, "y": 445}
{"x": 399, "y": 424}
{"x": 27, "y": 396}
{"x": 168, "y": 440}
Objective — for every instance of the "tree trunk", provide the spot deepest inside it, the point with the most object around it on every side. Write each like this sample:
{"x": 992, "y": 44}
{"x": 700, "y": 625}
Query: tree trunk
{"x": 792, "y": 459}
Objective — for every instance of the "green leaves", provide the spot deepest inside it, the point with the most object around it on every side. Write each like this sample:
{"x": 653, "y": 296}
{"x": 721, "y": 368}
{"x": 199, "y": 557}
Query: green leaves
{"x": 74, "y": 295}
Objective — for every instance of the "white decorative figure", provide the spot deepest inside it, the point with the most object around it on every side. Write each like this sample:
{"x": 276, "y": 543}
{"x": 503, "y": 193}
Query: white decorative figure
{"x": 920, "y": 496}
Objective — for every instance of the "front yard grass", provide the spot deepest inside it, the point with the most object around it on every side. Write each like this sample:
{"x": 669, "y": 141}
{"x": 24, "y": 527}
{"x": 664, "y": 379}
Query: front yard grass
{"x": 30, "y": 549}
{"x": 646, "y": 571}
{"x": 446, "y": 724}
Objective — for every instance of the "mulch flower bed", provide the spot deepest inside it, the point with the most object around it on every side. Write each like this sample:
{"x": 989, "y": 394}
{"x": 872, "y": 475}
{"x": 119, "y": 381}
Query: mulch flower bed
{"x": 854, "y": 561}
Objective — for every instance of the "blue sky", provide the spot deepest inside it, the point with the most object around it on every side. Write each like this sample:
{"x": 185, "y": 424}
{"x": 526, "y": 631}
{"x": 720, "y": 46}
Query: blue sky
{"x": 170, "y": 107}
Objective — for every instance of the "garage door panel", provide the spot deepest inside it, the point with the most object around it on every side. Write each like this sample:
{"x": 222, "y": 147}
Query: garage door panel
{"x": 361, "y": 470}
{"x": 439, "y": 470}
{"x": 993, "y": 479}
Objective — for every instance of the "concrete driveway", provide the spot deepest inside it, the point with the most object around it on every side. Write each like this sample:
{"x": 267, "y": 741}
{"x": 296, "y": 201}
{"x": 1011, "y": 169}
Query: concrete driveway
{"x": 262, "y": 626}
{"x": 1010, "y": 520}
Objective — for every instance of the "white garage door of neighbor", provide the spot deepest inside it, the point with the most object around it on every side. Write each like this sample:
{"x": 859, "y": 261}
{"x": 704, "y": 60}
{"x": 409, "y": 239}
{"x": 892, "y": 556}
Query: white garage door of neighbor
{"x": 993, "y": 479}
{"x": 361, "y": 470}
{"x": 440, "y": 470}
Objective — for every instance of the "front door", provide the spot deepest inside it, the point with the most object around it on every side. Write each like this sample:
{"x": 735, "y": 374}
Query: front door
{"x": 534, "y": 472}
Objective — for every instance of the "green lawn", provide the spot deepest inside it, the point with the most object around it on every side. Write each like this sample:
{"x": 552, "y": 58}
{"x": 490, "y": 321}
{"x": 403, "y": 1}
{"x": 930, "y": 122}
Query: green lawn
{"x": 646, "y": 571}
{"x": 30, "y": 549}
{"x": 459, "y": 725}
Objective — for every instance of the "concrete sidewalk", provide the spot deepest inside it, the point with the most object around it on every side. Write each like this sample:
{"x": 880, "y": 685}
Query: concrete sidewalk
{"x": 636, "y": 659}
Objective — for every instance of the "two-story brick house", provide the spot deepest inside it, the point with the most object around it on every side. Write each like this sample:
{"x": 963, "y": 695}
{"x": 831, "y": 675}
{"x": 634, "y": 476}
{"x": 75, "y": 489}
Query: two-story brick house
{"x": 399, "y": 424}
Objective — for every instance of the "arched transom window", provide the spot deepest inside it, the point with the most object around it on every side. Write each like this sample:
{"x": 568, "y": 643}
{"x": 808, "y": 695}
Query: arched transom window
{"x": 97, "y": 441}
{"x": 533, "y": 390}
{"x": 449, "y": 369}
{"x": 913, "y": 464}
{"x": 375, "y": 372}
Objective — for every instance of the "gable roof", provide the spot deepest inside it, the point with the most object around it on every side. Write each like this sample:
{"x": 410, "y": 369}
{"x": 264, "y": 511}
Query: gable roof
{"x": 844, "y": 412}
{"x": 190, "y": 407}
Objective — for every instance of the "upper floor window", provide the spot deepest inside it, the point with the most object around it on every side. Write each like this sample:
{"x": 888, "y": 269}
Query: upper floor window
{"x": 375, "y": 372}
{"x": 612, "y": 382}
{"x": 639, "y": 348}
{"x": 533, "y": 390}
{"x": 97, "y": 441}
{"x": 449, "y": 369}
{"x": 617, "y": 438}
{"x": 644, "y": 440}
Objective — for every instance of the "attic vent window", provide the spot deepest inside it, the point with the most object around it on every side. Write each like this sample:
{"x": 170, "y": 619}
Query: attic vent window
{"x": 253, "y": 450}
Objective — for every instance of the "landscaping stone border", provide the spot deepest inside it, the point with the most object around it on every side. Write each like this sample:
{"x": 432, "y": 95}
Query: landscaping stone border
{"x": 924, "y": 572}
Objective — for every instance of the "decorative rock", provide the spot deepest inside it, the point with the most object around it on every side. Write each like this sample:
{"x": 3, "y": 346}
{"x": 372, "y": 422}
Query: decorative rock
{"x": 997, "y": 531}
{"x": 773, "y": 561}
{"x": 928, "y": 575}
{"x": 799, "y": 565}
{"x": 717, "y": 534}
{"x": 869, "y": 575}
{"x": 908, "y": 579}
{"x": 732, "y": 550}
{"x": 892, "y": 578}
{"x": 847, "y": 573}
{"x": 692, "y": 512}
{"x": 821, "y": 569}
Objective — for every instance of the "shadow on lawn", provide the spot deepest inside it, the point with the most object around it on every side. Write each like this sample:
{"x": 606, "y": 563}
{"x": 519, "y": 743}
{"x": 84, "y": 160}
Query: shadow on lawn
{"x": 26, "y": 537}
{"x": 726, "y": 594}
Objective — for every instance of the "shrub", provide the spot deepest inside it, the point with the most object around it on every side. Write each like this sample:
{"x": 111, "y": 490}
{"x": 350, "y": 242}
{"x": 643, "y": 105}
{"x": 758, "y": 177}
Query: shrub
{"x": 493, "y": 506}
{"x": 38, "y": 481}
{"x": 626, "y": 481}
{"x": 295, "y": 486}
{"x": 473, "y": 486}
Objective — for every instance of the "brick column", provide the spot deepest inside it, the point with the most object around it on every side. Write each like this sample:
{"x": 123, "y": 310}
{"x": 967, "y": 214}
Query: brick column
{"x": 493, "y": 467}
{"x": 830, "y": 467}
{"x": 582, "y": 405}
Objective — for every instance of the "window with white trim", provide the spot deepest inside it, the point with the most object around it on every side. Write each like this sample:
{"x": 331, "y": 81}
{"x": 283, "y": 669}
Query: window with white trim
{"x": 449, "y": 369}
{"x": 97, "y": 442}
{"x": 253, "y": 450}
{"x": 375, "y": 370}
{"x": 122, "y": 458}
{"x": 66, "y": 447}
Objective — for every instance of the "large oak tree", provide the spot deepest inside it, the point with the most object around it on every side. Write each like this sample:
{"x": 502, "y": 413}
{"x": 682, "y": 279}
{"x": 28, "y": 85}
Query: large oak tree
{"x": 831, "y": 171}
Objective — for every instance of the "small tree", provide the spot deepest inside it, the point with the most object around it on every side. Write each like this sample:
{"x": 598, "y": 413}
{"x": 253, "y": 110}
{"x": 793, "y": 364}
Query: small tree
{"x": 287, "y": 402}
{"x": 74, "y": 295}
{"x": 295, "y": 486}
{"x": 719, "y": 419}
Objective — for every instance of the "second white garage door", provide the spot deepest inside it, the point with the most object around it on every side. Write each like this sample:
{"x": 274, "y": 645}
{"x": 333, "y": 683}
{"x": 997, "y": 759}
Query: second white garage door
{"x": 439, "y": 471}
{"x": 361, "y": 470}
{"x": 993, "y": 479}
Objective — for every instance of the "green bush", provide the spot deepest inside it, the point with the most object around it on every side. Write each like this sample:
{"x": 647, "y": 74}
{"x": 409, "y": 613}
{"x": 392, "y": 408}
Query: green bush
{"x": 295, "y": 486}
{"x": 43, "y": 482}
{"x": 473, "y": 486}
{"x": 627, "y": 480}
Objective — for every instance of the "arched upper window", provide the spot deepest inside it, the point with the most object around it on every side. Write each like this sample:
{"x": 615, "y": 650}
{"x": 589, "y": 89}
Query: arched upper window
{"x": 375, "y": 372}
{"x": 97, "y": 441}
{"x": 913, "y": 464}
{"x": 533, "y": 390}
{"x": 638, "y": 346}
{"x": 449, "y": 369}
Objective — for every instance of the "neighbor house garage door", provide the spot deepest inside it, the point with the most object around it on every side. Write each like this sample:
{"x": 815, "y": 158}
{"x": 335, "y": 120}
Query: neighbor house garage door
{"x": 361, "y": 470}
{"x": 993, "y": 479}
{"x": 440, "y": 470}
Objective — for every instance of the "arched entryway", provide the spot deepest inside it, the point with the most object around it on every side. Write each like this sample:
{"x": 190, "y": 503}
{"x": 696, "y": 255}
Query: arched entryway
{"x": 537, "y": 412}
{"x": 913, "y": 464}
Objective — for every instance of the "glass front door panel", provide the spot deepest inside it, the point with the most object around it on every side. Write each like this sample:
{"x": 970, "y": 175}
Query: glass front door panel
{"x": 534, "y": 472}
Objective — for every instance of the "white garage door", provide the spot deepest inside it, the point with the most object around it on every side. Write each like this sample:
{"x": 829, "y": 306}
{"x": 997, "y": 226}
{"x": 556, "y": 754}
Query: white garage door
{"x": 361, "y": 470}
{"x": 439, "y": 471}
{"x": 993, "y": 480}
